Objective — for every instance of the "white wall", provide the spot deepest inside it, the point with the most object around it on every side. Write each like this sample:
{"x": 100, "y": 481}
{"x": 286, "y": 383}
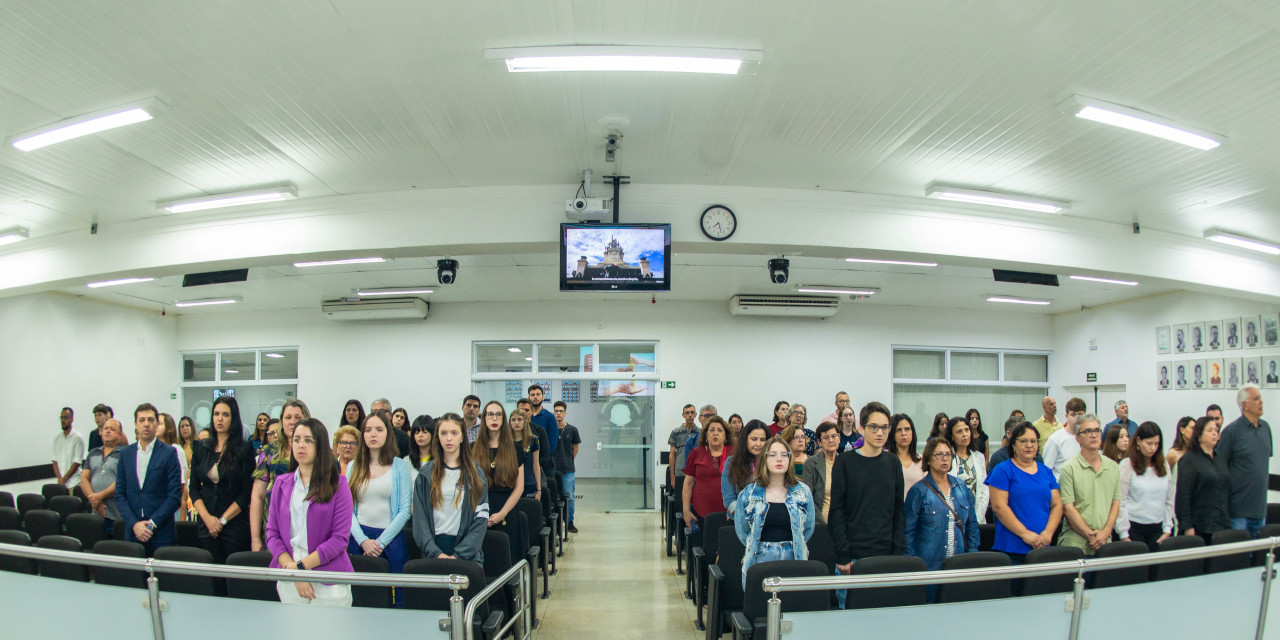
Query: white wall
{"x": 66, "y": 351}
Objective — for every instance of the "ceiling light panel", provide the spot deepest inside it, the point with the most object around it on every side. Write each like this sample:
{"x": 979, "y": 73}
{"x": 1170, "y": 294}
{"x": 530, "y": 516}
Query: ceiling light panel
{"x": 1127, "y": 283}
{"x": 1132, "y": 119}
{"x": 897, "y": 262}
{"x": 394, "y": 291}
{"x": 12, "y": 235}
{"x": 995, "y": 198}
{"x": 112, "y": 283}
{"x": 1015, "y": 300}
{"x": 88, "y": 124}
{"x": 624, "y": 58}
{"x": 330, "y": 263}
{"x": 1244, "y": 242}
{"x": 205, "y": 302}
{"x": 231, "y": 199}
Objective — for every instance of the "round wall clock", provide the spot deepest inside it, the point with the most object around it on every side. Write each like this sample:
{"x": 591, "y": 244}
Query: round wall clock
{"x": 718, "y": 222}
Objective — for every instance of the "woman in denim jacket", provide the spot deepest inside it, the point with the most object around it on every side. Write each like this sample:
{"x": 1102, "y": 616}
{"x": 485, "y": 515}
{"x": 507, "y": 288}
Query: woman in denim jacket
{"x": 775, "y": 513}
{"x": 940, "y": 518}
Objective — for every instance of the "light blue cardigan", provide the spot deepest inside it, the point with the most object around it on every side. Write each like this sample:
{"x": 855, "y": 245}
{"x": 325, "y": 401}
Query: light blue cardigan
{"x": 401, "y": 498}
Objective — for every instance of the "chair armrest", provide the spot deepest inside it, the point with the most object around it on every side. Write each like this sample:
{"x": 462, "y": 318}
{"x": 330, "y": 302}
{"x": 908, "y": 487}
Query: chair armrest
{"x": 742, "y": 627}
{"x": 714, "y": 623}
{"x": 489, "y": 626}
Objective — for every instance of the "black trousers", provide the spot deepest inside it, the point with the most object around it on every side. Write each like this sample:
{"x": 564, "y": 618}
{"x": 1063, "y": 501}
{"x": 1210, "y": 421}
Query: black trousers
{"x": 1146, "y": 533}
{"x": 233, "y": 538}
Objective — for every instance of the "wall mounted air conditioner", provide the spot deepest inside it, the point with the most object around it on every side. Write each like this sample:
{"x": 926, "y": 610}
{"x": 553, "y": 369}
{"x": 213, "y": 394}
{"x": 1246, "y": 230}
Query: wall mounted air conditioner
{"x": 792, "y": 306}
{"x": 384, "y": 309}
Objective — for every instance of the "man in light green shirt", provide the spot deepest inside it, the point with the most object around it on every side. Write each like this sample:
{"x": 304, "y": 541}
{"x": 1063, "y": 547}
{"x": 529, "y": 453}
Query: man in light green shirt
{"x": 1090, "y": 489}
{"x": 1047, "y": 423}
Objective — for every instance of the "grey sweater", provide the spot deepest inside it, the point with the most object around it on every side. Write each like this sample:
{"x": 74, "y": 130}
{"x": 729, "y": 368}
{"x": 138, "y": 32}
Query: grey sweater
{"x": 470, "y": 531}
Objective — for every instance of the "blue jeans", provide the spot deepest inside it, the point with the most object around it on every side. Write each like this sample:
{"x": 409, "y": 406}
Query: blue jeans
{"x": 842, "y": 594}
{"x": 767, "y": 552}
{"x": 569, "y": 487}
{"x": 1252, "y": 525}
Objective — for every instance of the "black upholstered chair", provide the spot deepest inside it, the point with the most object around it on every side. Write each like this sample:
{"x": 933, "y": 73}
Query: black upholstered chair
{"x": 724, "y": 583}
{"x": 881, "y": 597}
{"x": 539, "y": 542}
{"x": 188, "y": 534}
{"x": 1273, "y": 513}
{"x": 39, "y": 523}
{"x": 117, "y": 530}
{"x": 1183, "y": 569}
{"x": 85, "y": 527}
{"x": 251, "y": 589}
{"x": 62, "y": 570}
{"x": 497, "y": 561}
{"x": 1119, "y": 577}
{"x": 969, "y": 591}
{"x": 53, "y": 489}
{"x": 134, "y": 578}
{"x": 368, "y": 595}
{"x": 14, "y": 563}
{"x": 488, "y": 620}
{"x": 6, "y": 499}
{"x": 29, "y": 501}
{"x": 1218, "y": 564}
{"x": 703, "y": 555}
{"x": 1061, "y": 583}
{"x": 986, "y": 536}
{"x": 1267, "y": 531}
{"x": 10, "y": 519}
{"x": 750, "y": 622}
{"x": 182, "y": 583}
{"x": 65, "y": 506}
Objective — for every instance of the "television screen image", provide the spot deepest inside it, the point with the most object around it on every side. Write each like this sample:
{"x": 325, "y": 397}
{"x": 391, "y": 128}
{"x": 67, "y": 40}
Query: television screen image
{"x": 621, "y": 257}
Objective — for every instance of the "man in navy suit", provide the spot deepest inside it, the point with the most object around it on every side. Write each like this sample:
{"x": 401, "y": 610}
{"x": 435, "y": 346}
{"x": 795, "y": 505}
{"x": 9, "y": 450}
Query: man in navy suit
{"x": 149, "y": 485}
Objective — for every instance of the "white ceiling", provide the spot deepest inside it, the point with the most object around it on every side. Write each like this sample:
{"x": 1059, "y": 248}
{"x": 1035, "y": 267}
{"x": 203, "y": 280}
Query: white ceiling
{"x": 883, "y": 98}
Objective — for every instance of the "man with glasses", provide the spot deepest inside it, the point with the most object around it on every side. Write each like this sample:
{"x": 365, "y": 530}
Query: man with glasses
{"x": 842, "y": 401}
{"x": 1062, "y": 446}
{"x": 691, "y": 442}
{"x": 471, "y": 416}
{"x": 1090, "y": 489}
{"x": 679, "y": 435}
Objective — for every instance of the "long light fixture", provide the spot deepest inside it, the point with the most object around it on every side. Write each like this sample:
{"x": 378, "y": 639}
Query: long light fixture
{"x": 901, "y": 262}
{"x": 853, "y": 291}
{"x": 1127, "y": 283}
{"x": 995, "y": 198}
{"x": 274, "y": 355}
{"x": 88, "y": 123}
{"x": 393, "y": 291}
{"x": 1134, "y": 120}
{"x": 624, "y": 58}
{"x": 204, "y": 302}
{"x": 231, "y": 199}
{"x": 1244, "y": 242}
{"x": 1014, "y": 300}
{"x": 513, "y": 349}
{"x": 112, "y": 283}
{"x": 330, "y": 263}
{"x": 12, "y": 235}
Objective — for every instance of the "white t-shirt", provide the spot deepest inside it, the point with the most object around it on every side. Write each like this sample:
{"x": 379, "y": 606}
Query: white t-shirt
{"x": 448, "y": 518}
{"x": 1058, "y": 449}
{"x": 375, "y": 502}
{"x": 68, "y": 450}
{"x": 1146, "y": 498}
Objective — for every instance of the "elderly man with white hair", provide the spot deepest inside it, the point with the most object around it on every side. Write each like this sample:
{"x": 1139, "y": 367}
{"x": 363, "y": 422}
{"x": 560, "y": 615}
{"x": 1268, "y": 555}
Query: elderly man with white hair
{"x": 1122, "y": 418}
{"x": 1245, "y": 450}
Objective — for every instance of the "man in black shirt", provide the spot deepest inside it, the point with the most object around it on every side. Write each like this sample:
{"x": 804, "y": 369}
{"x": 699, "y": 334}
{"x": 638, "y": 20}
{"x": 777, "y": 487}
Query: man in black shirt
{"x": 566, "y": 451}
{"x": 866, "y": 517}
{"x": 101, "y": 414}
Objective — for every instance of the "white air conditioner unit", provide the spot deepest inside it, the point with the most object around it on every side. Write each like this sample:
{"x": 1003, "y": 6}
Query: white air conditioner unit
{"x": 384, "y": 309}
{"x": 792, "y": 306}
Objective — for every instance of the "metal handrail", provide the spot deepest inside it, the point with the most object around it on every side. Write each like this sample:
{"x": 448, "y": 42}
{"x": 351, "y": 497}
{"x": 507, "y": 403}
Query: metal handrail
{"x": 522, "y": 609}
{"x": 822, "y": 583}
{"x": 145, "y": 565}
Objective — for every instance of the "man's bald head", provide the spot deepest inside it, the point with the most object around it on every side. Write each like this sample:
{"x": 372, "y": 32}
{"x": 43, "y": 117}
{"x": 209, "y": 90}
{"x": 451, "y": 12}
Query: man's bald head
{"x": 111, "y": 431}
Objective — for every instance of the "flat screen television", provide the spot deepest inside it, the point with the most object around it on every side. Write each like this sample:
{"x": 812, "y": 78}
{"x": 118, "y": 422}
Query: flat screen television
{"x": 615, "y": 257}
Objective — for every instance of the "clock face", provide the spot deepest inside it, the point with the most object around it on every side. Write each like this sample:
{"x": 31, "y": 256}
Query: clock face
{"x": 718, "y": 222}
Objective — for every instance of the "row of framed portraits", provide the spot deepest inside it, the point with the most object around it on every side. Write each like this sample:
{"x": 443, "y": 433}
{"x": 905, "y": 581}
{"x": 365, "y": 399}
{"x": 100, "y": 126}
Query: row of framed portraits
{"x": 1218, "y": 373}
{"x": 1249, "y": 332}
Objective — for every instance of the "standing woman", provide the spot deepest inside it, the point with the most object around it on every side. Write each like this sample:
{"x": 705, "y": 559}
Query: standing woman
{"x": 703, "y": 473}
{"x": 968, "y": 464}
{"x": 222, "y": 483}
{"x": 1146, "y": 490}
{"x": 1116, "y": 445}
{"x": 817, "y": 469}
{"x": 346, "y": 442}
{"x": 186, "y": 436}
{"x": 352, "y": 415}
{"x": 1203, "y": 484}
{"x": 977, "y": 434}
{"x": 307, "y": 528}
{"x": 420, "y": 437}
{"x": 1024, "y": 497}
{"x": 741, "y": 466}
{"x": 941, "y": 520}
{"x": 795, "y": 437}
{"x": 400, "y": 419}
{"x": 503, "y": 465}
{"x": 903, "y": 443}
{"x": 780, "y": 411}
{"x": 450, "y": 498}
{"x": 528, "y": 443}
{"x": 939, "y": 428}
{"x": 1186, "y": 424}
{"x": 777, "y": 511}
{"x": 260, "y": 432}
{"x": 850, "y": 437}
{"x": 797, "y": 416}
{"x": 273, "y": 461}
{"x": 381, "y": 496}
{"x": 167, "y": 432}
{"x": 735, "y": 427}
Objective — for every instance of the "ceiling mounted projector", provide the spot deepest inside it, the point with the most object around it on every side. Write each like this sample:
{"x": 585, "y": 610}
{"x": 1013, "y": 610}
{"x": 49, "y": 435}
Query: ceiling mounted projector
{"x": 586, "y": 208}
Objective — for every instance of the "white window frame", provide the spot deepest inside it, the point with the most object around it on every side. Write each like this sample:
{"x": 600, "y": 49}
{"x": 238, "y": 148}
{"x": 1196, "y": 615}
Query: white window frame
{"x": 217, "y": 369}
{"x": 946, "y": 380}
{"x": 534, "y": 374}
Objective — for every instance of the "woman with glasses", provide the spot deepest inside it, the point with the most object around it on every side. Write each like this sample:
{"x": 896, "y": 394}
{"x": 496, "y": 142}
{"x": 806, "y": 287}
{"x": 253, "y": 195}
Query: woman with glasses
{"x": 1203, "y": 484}
{"x": 703, "y": 471}
{"x": 503, "y": 465}
{"x": 1024, "y": 497}
{"x": 780, "y": 411}
{"x": 968, "y": 464}
{"x": 796, "y": 437}
{"x": 776, "y": 511}
{"x": 817, "y": 469}
{"x": 450, "y": 498}
{"x": 420, "y": 437}
{"x": 941, "y": 518}
{"x": 274, "y": 460}
{"x": 797, "y": 416}
{"x": 346, "y": 441}
{"x": 381, "y": 493}
{"x": 741, "y": 466}
{"x": 309, "y": 519}
{"x": 903, "y": 444}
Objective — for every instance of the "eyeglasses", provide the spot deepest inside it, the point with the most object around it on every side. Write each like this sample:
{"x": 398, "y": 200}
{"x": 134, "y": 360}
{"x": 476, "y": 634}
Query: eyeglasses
{"x": 310, "y": 442}
{"x": 1089, "y": 433}
{"x": 493, "y": 414}
{"x": 1024, "y": 442}
{"x": 708, "y": 415}
{"x": 797, "y": 413}
{"x": 346, "y": 443}
{"x": 775, "y": 455}
{"x": 942, "y": 455}
{"x": 876, "y": 428}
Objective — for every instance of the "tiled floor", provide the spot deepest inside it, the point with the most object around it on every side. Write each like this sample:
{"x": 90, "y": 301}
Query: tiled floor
{"x": 615, "y": 580}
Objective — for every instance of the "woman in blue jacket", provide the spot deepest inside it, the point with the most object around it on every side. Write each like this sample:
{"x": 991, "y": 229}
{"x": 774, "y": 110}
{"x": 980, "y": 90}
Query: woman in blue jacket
{"x": 940, "y": 517}
{"x": 382, "y": 493}
{"x": 775, "y": 513}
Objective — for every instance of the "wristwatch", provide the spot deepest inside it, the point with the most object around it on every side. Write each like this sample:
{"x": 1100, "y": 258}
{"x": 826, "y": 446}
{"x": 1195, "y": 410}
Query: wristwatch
{"x": 300, "y": 566}
{"x": 223, "y": 521}
{"x": 151, "y": 525}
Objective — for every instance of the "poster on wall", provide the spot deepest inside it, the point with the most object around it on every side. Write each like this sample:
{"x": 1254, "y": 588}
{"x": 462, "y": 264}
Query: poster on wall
{"x": 1180, "y": 380}
{"x": 1180, "y": 338}
{"x": 1231, "y": 332}
{"x": 1232, "y": 366}
{"x": 1198, "y": 378}
{"x": 1195, "y": 333}
{"x": 1213, "y": 329}
{"x": 1253, "y": 370}
{"x": 1162, "y": 340}
{"x": 1270, "y": 330}
{"x": 1270, "y": 375}
{"x": 1214, "y": 369}
{"x": 1250, "y": 326}
{"x": 1163, "y": 382}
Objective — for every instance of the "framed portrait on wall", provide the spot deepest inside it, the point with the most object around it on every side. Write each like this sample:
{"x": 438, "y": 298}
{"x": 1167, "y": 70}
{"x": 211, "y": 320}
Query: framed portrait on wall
{"x": 1213, "y": 334}
{"x": 1164, "y": 377}
{"x": 1162, "y": 340}
{"x": 1199, "y": 377}
{"x": 1180, "y": 344}
{"x": 1180, "y": 378}
{"x": 1232, "y": 373}
{"x": 1271, "y": 371}
{"x": 1196, "y": 338}
{"x": 1251, "y": 331}
{"x": 1231, "y": 333}
{"x": 1213, "y": 369}
{"x": 1271, "y": 330}
{"x": 1252, "y": 370}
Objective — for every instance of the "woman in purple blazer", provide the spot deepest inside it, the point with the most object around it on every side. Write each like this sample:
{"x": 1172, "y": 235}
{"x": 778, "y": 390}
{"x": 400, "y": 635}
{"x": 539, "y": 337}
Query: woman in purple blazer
{"x": 309, "y": 519}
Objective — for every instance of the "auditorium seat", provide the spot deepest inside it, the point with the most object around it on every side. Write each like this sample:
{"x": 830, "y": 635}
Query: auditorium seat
{"x": 539, "y": 543}
{"x": 987, "y": 535}
{"x": 724, "y": 583}
{"x": 881, "y": 597}
{"x": 117, "y": 530}
{"x": 13, "y": 563}
{"x": 969, "y": 591}
{"x": 497, "y": 560}
{"x": 188, "y": 534}
{"x": 62, "y": 570}
{"x": 1119, "y": 577}
{"x": 488, "y": 620}
{"x": 29, "y": 501}
{"x": 65, "y": 506}
{"x": 6, "y": 499}
{"x": 182, "y": 583}
{"x": 1181, "y": 569}
{"x": 1273, "y": 513}
{"x": 1267, "y": 531}
{"x": 85, "y": 527}
{"x": 10, "y": 518}
{"x": 703, "y": 556}
{"x": 1061, "y": 583}
{"x": 134, "y": 578}
{"x": 750, "y": 622}
{"x": 1218, "y": 564}
{"x": 368, "y": 595}
{"x": 39, "y": 523}
{"x": 53, "y": 489}
{"x": 251, "y": 589}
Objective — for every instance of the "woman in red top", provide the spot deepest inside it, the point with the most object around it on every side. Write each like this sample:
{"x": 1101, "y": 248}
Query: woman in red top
{"x": 780, "y": 412}
{"x": 703, "y": 469}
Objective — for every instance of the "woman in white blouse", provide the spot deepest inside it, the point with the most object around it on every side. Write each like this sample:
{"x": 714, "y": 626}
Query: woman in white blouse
{"x": 969, "y": 465}
{"x": 1146, "y": 490}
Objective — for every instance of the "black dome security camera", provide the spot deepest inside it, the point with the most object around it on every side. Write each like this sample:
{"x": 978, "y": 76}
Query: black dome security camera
{"x": 779, "y": 270}
{"x": 447, "y": 271}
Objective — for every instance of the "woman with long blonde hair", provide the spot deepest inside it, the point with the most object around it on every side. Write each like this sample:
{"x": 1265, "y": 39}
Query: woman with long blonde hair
{"x": 528, "y": 443}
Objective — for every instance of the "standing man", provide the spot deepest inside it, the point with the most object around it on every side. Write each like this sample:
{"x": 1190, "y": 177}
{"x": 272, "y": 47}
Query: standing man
{"x": 679, "y": 435}
{"x": 1062, "y": 445}
{"x": 842, "y": 401}
{"x": 402, "y": 438}
{"x": 471, "y": 416}
{"x": 691, "y": 442}
{"x": 568, "y": 441}
{"x": 1215, "y": 412}
{"x": 148, "y": 485}
{"x": 540, "y": 416}
{"x": 101, "y": 413}
{"x": 546, "y": 458}
{"x": 1047, "y": 423}
{"x": 68, "y": 451}
{"x": 1122, "y": 418}
{"x": 1090, "y": 488}
{"x": 98, "y": 478}
{"x": 1245, "y": 450}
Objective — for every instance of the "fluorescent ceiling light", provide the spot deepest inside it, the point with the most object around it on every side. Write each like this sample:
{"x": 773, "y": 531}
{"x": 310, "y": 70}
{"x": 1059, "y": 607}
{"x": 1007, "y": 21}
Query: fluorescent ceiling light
{"x": 853, "y": 291}
{"x": 202, "y": 302}
{"x": 393, "y": 291}
{"x": 12, "y": 235}
{"x": 86, "y": 124}
{"x": 1127, "y": 283}
{"x": 901, "y": 262}
{"x": 529, "y": 358}
{"x": 1012, "y": 300}
{"x": 330, "y": 263}
{"x": 995, "y": 198}
{"x": 231, "y": 371}
{"x": 513, "y": 349}
{"x": 1142, "y": 122}
{"x": 623, "y": 58}
{"x": 1244, "y": 242}
{"x": 274, "y": 355}
{"x": 232, "y": 199}
{"x": 112, "y": 283}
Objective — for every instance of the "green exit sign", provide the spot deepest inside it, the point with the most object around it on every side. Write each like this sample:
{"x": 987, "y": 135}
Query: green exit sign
{"x": 668, "y": 384}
